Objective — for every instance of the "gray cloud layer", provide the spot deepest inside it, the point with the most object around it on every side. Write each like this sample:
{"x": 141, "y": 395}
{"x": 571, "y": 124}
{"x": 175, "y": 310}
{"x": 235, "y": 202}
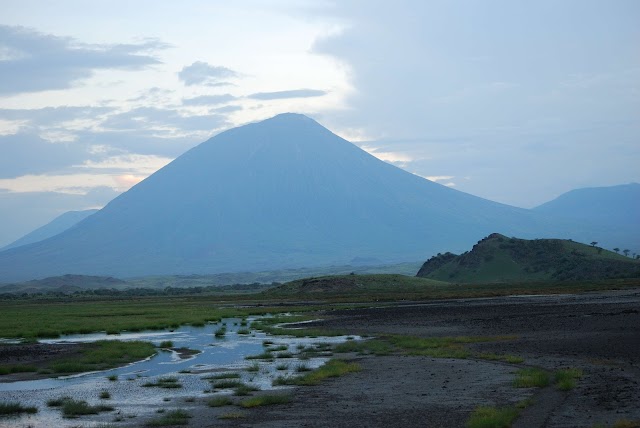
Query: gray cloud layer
{"x": 201, "y": 73}
{"x": 33, "y": 61}
{"x": 206, "y": 100}
{"x": 294, "y": 93}
{"x": 491, "y": 76}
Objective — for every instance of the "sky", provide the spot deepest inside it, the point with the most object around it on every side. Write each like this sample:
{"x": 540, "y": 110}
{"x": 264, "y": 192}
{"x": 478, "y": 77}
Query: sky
{"x": 513, "y": 101}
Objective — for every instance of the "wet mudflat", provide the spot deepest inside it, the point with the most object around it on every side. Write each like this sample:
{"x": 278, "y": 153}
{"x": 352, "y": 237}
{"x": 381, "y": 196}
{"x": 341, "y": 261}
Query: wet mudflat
{"x": 597, "y": 333}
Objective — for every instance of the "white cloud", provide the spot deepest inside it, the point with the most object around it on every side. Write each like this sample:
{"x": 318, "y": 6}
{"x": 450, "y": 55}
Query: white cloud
{"x": 141, "y": 164}
{"x": 393, "y": 157}
{"x": 73, "y": 184}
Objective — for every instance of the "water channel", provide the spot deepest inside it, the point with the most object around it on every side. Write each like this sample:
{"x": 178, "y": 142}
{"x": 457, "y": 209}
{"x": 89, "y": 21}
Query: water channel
{"x": 133, "y": 402}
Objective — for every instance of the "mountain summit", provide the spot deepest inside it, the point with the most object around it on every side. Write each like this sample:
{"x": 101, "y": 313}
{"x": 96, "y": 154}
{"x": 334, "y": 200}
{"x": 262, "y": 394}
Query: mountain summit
{"x": 284, "y": 192}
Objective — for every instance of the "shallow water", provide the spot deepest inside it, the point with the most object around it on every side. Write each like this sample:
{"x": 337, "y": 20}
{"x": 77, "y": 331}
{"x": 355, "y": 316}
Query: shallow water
{"x": 133, "y": 401}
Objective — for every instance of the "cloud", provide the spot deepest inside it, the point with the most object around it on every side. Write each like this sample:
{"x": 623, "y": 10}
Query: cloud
{"x": 163, "y": 119}
{"x": 294, "y": 93}
{"x": 208, "y": 100}
{"x": 141, "y": 164}
{"x": 33, "y": 61}
{"x": 24, "y": 212}
{"x": 53, "y": 116}
{"x": 201, "y": 73}
{"x": 29, "y": 154}
{"x": 392, "y": 157}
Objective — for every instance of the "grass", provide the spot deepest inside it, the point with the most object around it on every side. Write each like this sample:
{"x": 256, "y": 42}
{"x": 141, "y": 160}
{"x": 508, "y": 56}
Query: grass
{"x": 227, "y": 384}
{"x": 166, "y": 344}
{"x": 17, "y": 368}
{"x": 221, "y": 401}
{"x": 332, "y": 368}
{"x": 373, "y": 346}
{"x": 220, "y": 332}
{"x": 282, "y": 367}
{"x": 74, "y": 408}
{"x": 435, "y": 347}
{"x": 492, "y": 417}
{"x": 531, "y": 377}
{"x": 565, "y": 379}
{"x": 15, "y": 408}
{"x": 169, "y": 382}
{"x": 265, "y": 400}
{"x": 105, "y": 354}
{"x": 52, "y": 318}
{"x": 174, "y": 417}
{"x": 105, "y": 395}
{"x": 244, "y": 331}
{"x": 255, "y": 367}
{"x": 278, "y": 348}
{"x": 264, "y": 356}
{"x": 626, "y": 423}
{"x": 112, "y": 378}
{"x": 244, "y": 389}
{"x": 230, "y": 375}
{"x": 500, "y": 357}
{"x": 269, "y": 325}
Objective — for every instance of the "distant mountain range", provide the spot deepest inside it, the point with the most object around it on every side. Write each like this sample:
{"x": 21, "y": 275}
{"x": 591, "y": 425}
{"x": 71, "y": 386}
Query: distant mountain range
{"x": 498, "y": 258}
{"x": 278, "y": 194}
{"x": 53, "y": 228}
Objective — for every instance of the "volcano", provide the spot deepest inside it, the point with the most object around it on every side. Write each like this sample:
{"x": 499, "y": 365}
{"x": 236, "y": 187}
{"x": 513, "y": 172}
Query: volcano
{"x": 281, "y": 193}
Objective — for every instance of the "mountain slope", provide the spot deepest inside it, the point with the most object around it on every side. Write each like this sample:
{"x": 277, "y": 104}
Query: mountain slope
{"x": 498, "y": 258}
{"x": 612, "y": 212}
{"x": 54, "y": 227}
{"x": 282, "y": 193}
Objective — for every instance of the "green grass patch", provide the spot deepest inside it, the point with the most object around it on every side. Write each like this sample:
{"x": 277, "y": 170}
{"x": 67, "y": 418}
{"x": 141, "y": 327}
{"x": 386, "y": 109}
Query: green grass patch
{"x": 626, "y": 423}
{"x": 255, "y": 367}
{"x": 75, "y": 408}
{"x": 112, "y": 378}
{"x": 332, "y": 368}
{"x": 15, "y": 408}
{"x": 492, "y": 417}
{"x": 266, "y": 400}
{"x": 169, "y": 382}
{"x": 565, "y": 380}
{"x": 105, "y": 354}
{"x": 17, "y": 368}
{"x": 174, "y": 417}
{"x": 282, "y": 367}
{"x": 244, "y": 389}
{"x": 513, "y": 359}
{"x": 166, "y": 344}
{"x": 105, "y": 395}
{"x": 531, "y": 377}
{"x": 227, "y": 384}
{"x": 363, "y": 347}
{"x": 229, "y": 375}
{"x": 244, "y": 331}
{"x": 220, "y": 332}
{"x": 264, "y": 356}
{"x": 221, "y": 401}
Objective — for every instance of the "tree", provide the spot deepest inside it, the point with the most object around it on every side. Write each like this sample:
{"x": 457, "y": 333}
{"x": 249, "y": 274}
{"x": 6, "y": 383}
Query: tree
{"x": 626, "y": 252}
{"x": 594, "y": 243}
{"x": 617, "y": 250}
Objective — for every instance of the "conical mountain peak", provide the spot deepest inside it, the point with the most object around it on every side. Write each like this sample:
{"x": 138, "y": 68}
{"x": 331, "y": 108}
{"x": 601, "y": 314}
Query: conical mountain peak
{"x": 282, "y": 193}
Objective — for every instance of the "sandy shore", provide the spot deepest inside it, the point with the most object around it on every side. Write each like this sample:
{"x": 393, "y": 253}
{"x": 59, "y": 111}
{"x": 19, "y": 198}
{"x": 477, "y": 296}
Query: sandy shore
{"x": 597, "y": 332}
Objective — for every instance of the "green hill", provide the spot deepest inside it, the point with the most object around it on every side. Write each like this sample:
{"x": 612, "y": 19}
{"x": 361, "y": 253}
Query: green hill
{"x": 498, "y": 258}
